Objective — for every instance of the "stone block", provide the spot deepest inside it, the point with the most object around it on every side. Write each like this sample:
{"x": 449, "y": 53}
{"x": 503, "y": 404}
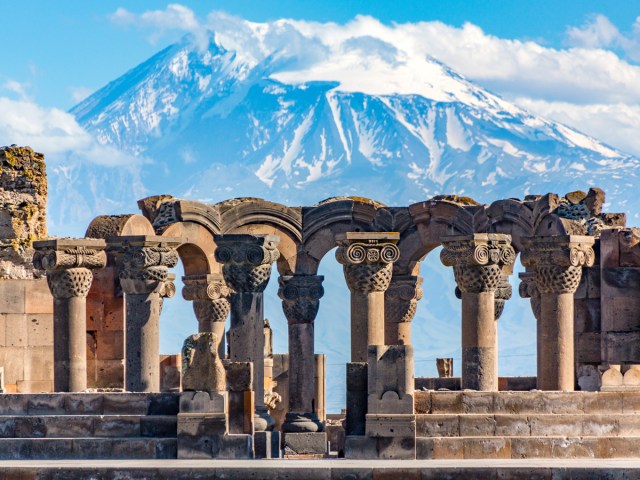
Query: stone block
{"x": 424, "y": 448}
{"x": 621, "y": 347}
{"x": 39, "y": 328}
{"x": 422, "y": 402}
{"x": 390, "y": 379}
{"x": 12, "y": 296}
{"x": 223, "y": 447}
{"x": 7, "y": 427}
{"x": 165, "y": 403}
{"x": 335, "y": 438}
{"x": 158, "y": 426}
{"x": 33, "y": 386}
{"x": 360, "y": 447}
{"x": 166, "y": 448}
{"x": 46, "y": 404}
{"x": 110, "y": 374}
{"x": 239, "y": 375}
{"x": 512, "y": 425}
{"x": 437, "y": 425}
{"x": 134, "y": 448}
{"x": 110, "y": 345}
{"x": 617, "y": 447}
{"x": 601, "y": 425}
{"x": 304, "y": 443}
{"x": 478, "y": 402}
{"x": 201, "y": 424}
{"x": 448, "y": 448}
{"x": 521, "y": 384}
{"x": 630, "y": 401}
{"x": 628, "y": 425}
{"x": 93, "y": 448}
{"x": 626, "y": 316}
{"x": 519, "y": 402}
{"x": 446, "y": 402}
{"x": 12, "y": 359}
{"x": 378, "y": 425}
{"x": 204, "y": 402}
{"x": 587, "y": 347}
{"x": 266, "y": 445}
{"x": 531, "y": 447}
{"x": 87, "y": 403}
{"x": 30, "y": 427}
{"x": 574, "y": 447}
{"x": 563, "y": 402}
{"x": 125, "y": 403}
{"x": 38, "y": 298}
{"x": 16, "y": 330}
{"x": 396, "y": 448}
{"x": 357, "y": 388}
{"x": 604, "y": 402}
{"x": 237, "y": 418}
{"x": 486, "y": 448}
{"x": 13, "y": 404}
{"x": 477, "y": 425}
{"x": 38, "y": 363}
{"x": 587, "y": 316}
{"x": 64, "y": 426}
{"x": 3, "y": 323}
{"x": 117, "y": 426}
{"x": 556, "y": 425}
{"x": 51, "y": 448}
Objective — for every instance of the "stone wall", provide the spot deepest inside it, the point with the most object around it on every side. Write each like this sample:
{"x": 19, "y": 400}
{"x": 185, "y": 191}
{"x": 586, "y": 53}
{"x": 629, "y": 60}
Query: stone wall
{"x": 26, "y": 306}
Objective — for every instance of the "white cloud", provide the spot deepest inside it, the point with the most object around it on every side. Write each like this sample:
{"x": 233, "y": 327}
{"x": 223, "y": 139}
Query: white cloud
{"x": 79, "y": 93}
{"x": 175, "y": 17}
{"x": 17, "y": 88}
{"x": 616, "y": 124}
{"x": 55, "y": 132}
{"x": 599, "y": 32}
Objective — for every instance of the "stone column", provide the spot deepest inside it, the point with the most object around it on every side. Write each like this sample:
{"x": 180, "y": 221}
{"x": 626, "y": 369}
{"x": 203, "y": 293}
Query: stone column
{"x": 528, "y": 289}
{"x": 400, "y": 303}
{"x": 68, "y": 263}
{"x": 210, "y": 297}
{"x": 557, "y": 262}
{"x": 300, "y": 296}
{"x": 367, "y": 259}
{"x": 478, "y": 262}
{"x": 246, "y": 268}
{"x": 144, "y": 276}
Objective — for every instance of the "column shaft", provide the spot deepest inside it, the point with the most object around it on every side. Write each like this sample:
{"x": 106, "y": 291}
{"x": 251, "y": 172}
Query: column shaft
{"x": 367, "y": 323}
{"x": 479, "y": 342}
{"x": 142, "y": 344}
{"x": 557, "y": 369}
{"x": 70, "y": 344}
{"x": 301, "y": 367}
{"x": 246, "y": 336}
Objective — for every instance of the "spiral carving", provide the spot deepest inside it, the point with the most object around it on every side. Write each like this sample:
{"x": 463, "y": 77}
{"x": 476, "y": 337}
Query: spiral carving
{"x": 481, "y": 255}
{"x": 356, "y": 253}
{"x": 390, "y": 253}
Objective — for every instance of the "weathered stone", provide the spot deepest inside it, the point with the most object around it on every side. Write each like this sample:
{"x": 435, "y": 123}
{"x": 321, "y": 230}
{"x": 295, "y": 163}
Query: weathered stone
{"x": 307, "y": 443}
{"x": 202, "y": 369}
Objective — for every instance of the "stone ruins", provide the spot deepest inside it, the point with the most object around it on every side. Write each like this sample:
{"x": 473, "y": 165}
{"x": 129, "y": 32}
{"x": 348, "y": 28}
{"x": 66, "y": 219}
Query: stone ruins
{"x": 79, "y": 329}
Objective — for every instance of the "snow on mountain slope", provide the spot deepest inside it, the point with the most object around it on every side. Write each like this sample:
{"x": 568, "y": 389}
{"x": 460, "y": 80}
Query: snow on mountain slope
{"x": 296, "y": 125}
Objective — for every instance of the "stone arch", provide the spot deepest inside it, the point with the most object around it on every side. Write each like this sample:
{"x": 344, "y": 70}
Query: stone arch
{"x": 257, "y": 217}
{"x": 196, "y": 249}
{"x": 322, "y": 222}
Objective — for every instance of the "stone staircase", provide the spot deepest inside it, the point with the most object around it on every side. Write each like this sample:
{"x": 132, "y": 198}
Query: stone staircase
{"x": 535, "y": 424}
{"x": 88, "y": 425}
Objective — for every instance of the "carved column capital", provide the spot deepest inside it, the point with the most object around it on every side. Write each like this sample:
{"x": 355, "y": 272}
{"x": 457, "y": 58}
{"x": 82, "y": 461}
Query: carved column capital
{"x": 367, "y": 258}
{"x": 477, "y": 260}
{"x": 209, "y": 294}
{"x": 144, "y": 263}
{"x": 68, "y": 262}
{"x": 503, "y": 293}
{"x": 247, "y": 260}
{"x": 300, "y": 296}
{"x": 558, "y": 261}
{"x": 401, "y": 298}
{"x": 528, "y": 289}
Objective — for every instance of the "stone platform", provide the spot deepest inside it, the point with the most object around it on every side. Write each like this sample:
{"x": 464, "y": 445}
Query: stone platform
{"x": 586, "y": 469}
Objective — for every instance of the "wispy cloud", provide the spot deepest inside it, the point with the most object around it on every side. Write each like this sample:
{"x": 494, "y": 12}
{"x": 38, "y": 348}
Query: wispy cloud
{"x": 56, "y": 132}
{"x": 599, "y": 32}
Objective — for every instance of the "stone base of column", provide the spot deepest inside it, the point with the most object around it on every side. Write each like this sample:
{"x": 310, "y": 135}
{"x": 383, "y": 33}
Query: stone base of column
{"x": 262, "y": 421}
{"x": 267, "y": 445}
{"x": 301, "y": 423}
{"x": 308, "y": 443}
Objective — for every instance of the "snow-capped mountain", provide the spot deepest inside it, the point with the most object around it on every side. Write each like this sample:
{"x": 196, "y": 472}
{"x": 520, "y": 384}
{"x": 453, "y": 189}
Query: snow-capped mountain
{"x": 297, "y": 125}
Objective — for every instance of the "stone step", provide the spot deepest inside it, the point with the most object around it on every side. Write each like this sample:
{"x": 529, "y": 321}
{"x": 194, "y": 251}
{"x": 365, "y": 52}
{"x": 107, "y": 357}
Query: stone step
{"x": 535, "y": 401}
{"x": 87, "y": 448}
{"x": 77, "y": 426}
{"x": 89, "y": 404}
{"x": 564, "y": 447}
{"x": 534, "y": 425}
